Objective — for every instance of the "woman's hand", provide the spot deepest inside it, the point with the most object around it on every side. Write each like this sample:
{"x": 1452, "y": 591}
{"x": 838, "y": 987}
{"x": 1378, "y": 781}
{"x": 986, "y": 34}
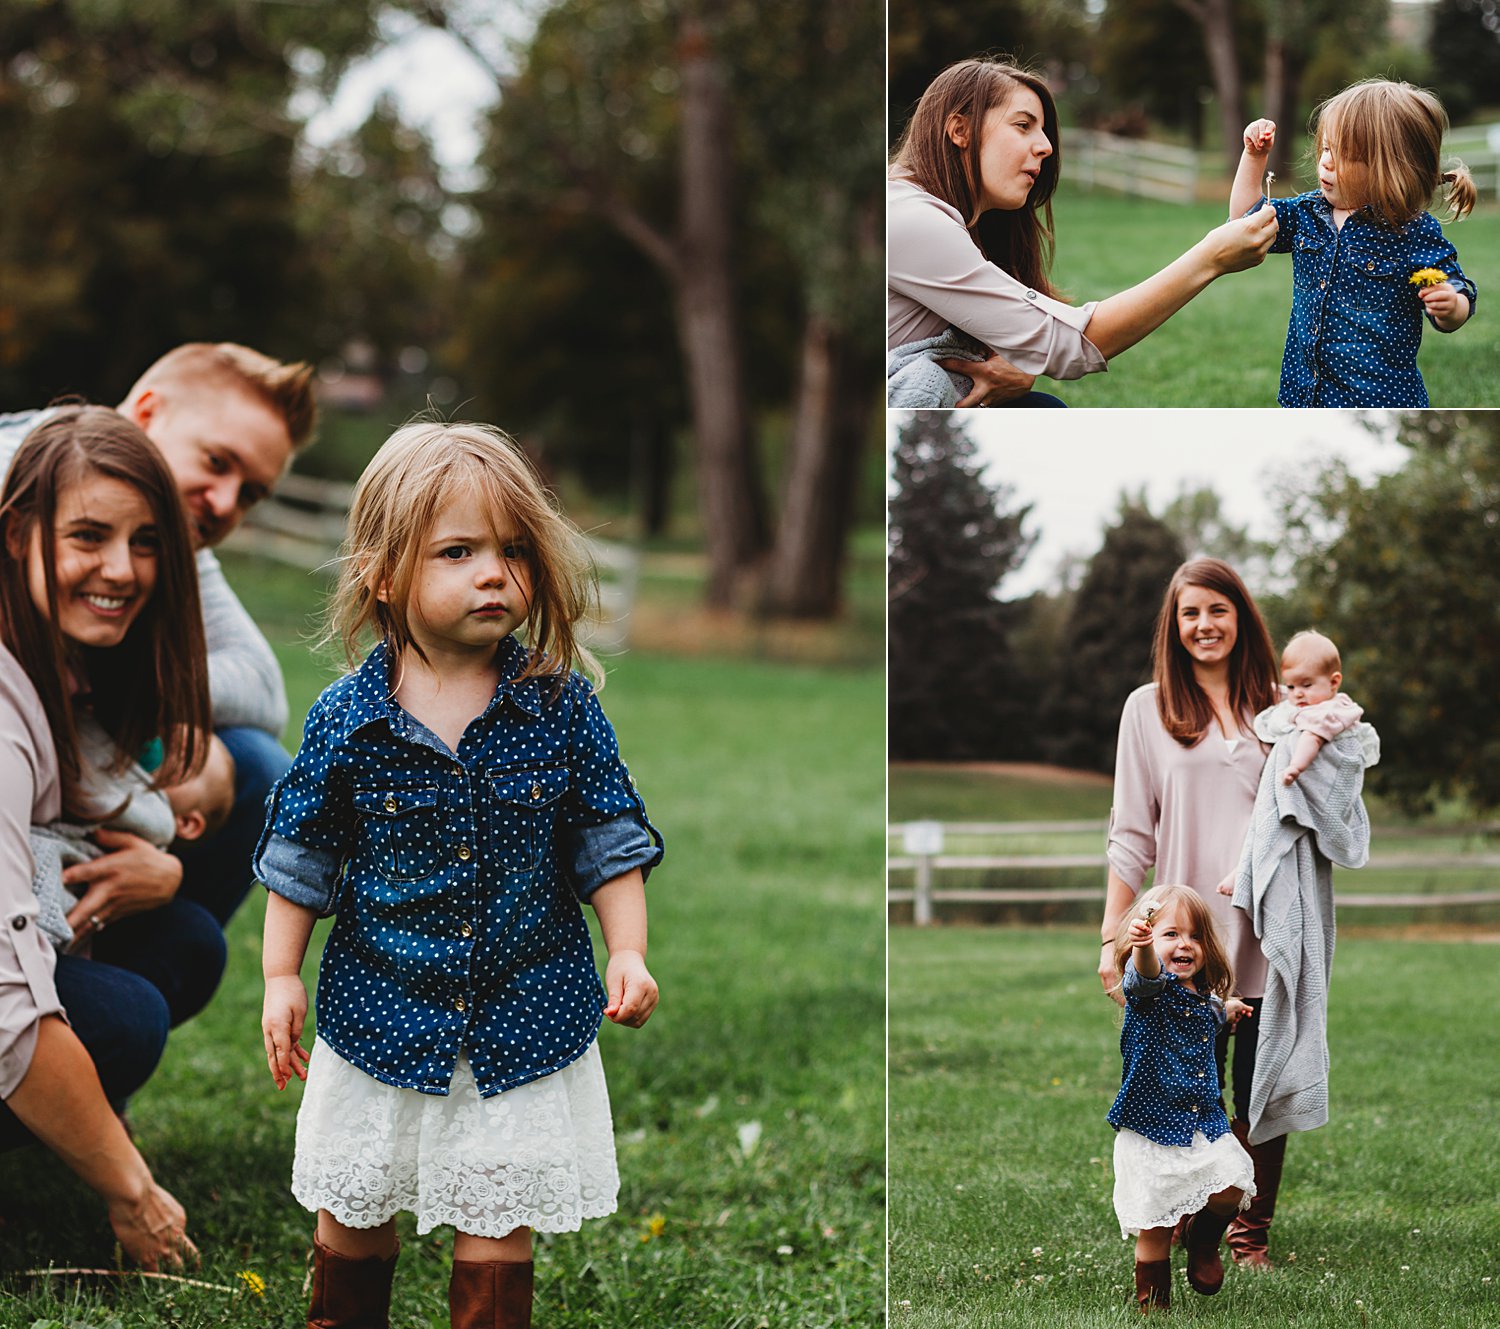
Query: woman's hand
{"x": 1239, "y": 244}
{"x": 996, "y": 380}
{"x": 1109, "y": 976}
{"x": 133, "y": 876}
{"x": 152, "y": 1229}
{"x": 281, "y": 1021}
{"x": 632, "y": 990}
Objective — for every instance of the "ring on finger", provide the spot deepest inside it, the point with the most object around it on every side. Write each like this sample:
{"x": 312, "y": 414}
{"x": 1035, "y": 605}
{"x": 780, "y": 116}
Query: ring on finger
{"x": 96, "y": 922}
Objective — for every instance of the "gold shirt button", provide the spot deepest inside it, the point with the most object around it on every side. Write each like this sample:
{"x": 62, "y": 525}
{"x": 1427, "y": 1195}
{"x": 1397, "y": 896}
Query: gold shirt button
{"x": 459, "y": 1005}
{"x": 466, "y": 930}
{"x": 390, "y": 804}
{"x": 463, "y": 852}
{"x": 536, "y": 792}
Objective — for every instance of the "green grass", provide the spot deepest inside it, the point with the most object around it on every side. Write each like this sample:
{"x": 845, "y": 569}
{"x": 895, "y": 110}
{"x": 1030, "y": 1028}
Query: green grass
{"x": 1004, "y": 1059}
{"x": 1224, "y": 348}
{"x": 767, "y": 940}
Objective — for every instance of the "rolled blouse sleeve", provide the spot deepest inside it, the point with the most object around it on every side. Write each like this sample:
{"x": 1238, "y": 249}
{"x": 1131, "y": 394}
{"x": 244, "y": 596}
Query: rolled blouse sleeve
{"x": 937, "y": 277}
{"x": 602, "y": 828}
{"x": 1136, "y": 811}
{"x": 309, "y": 822}
{"x": 29, "y": 792}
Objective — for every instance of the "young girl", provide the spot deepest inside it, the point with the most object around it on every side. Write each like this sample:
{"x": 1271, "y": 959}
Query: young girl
{"x": 1174, "y": 1153}
{"x": 1368, "y": 259}
{"x": 453, "y": 800}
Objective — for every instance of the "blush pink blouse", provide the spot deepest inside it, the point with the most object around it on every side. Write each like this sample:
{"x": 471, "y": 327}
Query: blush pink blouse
{"x": 1185, "y": 811}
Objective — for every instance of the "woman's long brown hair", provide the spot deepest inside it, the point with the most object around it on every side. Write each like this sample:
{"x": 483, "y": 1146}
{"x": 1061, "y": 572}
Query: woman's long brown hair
{"x": 1184, "y": 707}
{"x": 1018, "y": 242}
{"x": 154, "y": 684}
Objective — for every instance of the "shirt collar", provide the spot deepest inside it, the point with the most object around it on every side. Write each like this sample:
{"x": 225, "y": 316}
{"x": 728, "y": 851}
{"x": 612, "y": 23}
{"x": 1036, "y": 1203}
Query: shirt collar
{"x": 370, "y": 693}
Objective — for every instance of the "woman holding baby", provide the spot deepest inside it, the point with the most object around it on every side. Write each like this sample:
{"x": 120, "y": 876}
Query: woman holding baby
{"x": 97, "y": 557}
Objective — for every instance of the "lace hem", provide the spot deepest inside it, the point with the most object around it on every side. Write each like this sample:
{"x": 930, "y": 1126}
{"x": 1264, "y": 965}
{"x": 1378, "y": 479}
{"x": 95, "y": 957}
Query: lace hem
{"x": 1157, "y": 1184}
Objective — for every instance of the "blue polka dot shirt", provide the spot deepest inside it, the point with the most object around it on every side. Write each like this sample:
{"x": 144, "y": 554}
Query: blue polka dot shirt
{"x": 1356, "y": 322}
{"x": 456, "y": 878}
{"x": 1170, "y": 1087}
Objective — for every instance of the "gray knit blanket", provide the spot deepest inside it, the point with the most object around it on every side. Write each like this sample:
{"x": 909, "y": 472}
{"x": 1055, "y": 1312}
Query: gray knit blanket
{"x": 913, "y": 379}
{"x": 1298, "y": 832}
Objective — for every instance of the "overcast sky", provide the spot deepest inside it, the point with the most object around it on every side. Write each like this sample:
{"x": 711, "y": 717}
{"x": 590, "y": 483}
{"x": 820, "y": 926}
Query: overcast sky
{"x": 1073, "y": 465}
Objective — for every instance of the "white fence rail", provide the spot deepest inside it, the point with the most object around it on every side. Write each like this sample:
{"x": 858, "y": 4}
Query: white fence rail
{"x": 302, "y": 524}
{"x": 923, "y": 855}
{"x": 1130, "y": 165}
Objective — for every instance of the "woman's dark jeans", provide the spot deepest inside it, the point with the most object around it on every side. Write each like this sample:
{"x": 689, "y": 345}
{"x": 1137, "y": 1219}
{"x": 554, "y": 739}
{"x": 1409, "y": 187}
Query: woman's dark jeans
{"x": 1242, "y": 1065}
{"x": 148, "y": 973}
{"x": 1036, "y": 399}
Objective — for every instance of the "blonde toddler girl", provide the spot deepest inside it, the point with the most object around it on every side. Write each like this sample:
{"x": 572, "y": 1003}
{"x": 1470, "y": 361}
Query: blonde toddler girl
{"x": 454, "y": 800}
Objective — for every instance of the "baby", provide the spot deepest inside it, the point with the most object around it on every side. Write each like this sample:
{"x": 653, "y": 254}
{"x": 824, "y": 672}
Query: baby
{"x": 124, "y": 801}
{"x": 1314, "y": 708}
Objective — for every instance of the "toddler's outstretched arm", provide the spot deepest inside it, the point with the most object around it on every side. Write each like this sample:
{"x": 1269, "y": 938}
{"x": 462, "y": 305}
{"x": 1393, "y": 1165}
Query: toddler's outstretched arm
{"x": 621, "y": 907}
{"x": 1140, "y": 934}
{"x": 288, "y": 927}
{"x": 1246, "y": 189}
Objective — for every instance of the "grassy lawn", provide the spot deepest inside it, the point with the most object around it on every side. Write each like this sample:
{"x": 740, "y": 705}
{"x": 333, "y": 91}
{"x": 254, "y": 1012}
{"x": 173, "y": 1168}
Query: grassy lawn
{"x": 1224, "y": 349}
{"x": 1004, "y": 1059}
{"x": 749, "y": 1112}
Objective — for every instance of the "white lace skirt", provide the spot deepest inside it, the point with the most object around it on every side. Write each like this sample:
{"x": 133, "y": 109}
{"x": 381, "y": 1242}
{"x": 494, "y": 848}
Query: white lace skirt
{"x": 541, "y": 1155}
{"x": 1156, "y": 1184}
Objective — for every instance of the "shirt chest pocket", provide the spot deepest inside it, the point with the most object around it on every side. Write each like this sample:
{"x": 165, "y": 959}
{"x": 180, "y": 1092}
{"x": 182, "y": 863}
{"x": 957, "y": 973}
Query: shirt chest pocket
{"x": 522, "y": 810}
{"x": 401, "y": 830}
{"x": 1379, "y": 281}
{"x": 1310, "y": 263}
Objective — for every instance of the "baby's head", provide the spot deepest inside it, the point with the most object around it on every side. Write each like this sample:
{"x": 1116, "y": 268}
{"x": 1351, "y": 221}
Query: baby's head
{"x": 1182, "y": 926}
{"x": 202, "y": 804}
{"x": 423, "y": 474}
{"x": 1310, "y": 668}
{"x": 1379, "y": 144}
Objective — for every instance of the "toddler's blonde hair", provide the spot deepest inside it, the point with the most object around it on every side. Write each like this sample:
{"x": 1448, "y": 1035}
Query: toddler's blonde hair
{"x": 1216, "y": 975}
{"x": 395, "y": 505}
{"x": 1394, "y": 131}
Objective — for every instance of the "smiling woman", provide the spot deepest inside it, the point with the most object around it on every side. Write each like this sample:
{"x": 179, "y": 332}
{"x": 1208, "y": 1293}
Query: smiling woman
{"x": 99, "y": 558}
{"x": 969, "y": 244}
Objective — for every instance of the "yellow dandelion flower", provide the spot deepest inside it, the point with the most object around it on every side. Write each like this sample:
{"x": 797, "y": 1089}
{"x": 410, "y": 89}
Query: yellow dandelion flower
{"x": 253, "y": 1281}
{"x": 655, "y": 1226}
{"x": 1428, "y": 277}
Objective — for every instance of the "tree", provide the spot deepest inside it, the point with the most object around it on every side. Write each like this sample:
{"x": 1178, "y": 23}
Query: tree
{"x": 956, "y": 687}
{"x": 1465, "y": 47}
{"x": 147, "y": 157}
{"x": 1403, "y": 573}
{"x": 1105, "y": 650}
{"x": 654, "y": 119}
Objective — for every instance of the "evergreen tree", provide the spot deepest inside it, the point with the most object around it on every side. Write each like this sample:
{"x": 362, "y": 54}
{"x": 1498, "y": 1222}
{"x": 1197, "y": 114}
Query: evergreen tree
{"x": 956, "y": 687}
{"x": 1465, "y": 49}
{"x": 1105, "y": 651}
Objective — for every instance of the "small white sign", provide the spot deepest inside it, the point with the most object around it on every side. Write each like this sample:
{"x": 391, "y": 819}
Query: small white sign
{"x": 921, "y": 838}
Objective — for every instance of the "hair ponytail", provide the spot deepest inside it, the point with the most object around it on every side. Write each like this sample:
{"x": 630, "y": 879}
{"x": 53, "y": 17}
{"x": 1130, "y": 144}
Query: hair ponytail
{"x": 1462, "y": 195}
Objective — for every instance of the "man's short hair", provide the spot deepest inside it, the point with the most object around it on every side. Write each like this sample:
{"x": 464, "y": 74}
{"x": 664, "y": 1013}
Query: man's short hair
{"x": 285, "y": 387}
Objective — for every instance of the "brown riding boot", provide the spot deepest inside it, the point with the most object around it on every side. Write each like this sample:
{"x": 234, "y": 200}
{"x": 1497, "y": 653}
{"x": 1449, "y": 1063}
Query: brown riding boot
{"x": 1249, "y": 1234}
{"x": 349, "y": 1293}
{"x": 1205, "y": 1270}
{"x": 490, "y": 1294}
{"x": 1153, "y": 1285}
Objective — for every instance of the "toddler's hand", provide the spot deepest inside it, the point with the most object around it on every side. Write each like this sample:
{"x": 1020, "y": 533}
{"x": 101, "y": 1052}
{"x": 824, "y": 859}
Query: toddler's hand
{"x": 1292, "y": 772}
{"x": 1443, "y": 303}
{"x": 281, "y": 1021}
{"x": 1139, "y": 933}
{"x": 1259, "y": 136}
{"x": 632, "y": 990}
{"x": 1236, "y": 1010}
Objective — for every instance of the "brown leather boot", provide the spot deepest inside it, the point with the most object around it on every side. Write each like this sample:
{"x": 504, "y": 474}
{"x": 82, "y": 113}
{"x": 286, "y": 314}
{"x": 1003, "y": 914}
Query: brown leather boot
{"x": 1249, "y": 1234}
{"x": 348, "y": 1293}
{"x": 1153, "y": 1285}
{"x": 490, "y": 1294}
{"x": 1205, "y": 1270}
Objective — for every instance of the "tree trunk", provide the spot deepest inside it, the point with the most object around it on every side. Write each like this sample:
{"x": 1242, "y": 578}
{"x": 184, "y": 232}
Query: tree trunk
{"x": 804, "y": 572}
{"x": 729, "y": 488}
{"x": 1283, "y": 88}
{"x": 1216, "y": 18}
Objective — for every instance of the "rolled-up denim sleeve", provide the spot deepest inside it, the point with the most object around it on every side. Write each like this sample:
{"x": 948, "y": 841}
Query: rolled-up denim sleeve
{"x": 309, "y": 822}
{"x": 602, "y": 828}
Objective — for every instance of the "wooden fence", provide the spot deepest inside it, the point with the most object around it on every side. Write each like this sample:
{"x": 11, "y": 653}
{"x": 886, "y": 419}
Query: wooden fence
{"x": 302, "y": 524}
{"x": 923, "y": 855}
{"x": 1131, "y": 166}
